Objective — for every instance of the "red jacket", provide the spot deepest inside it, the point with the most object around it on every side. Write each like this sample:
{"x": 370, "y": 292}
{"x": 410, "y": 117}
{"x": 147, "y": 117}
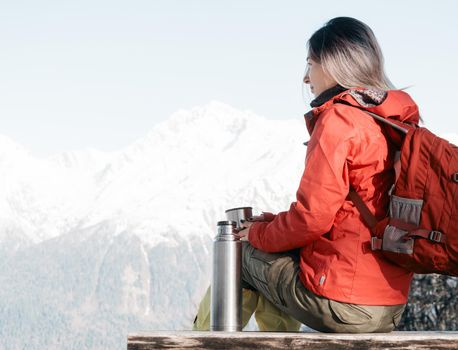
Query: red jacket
{"x": 346, "y": 147}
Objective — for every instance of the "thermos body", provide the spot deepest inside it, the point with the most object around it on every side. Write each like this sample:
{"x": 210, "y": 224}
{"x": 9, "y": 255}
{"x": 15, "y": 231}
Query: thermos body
{"x": 226, "y": 291}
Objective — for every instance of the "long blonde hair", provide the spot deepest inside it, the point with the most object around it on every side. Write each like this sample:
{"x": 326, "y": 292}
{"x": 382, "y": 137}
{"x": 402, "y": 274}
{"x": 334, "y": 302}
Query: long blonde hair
{"x": 349, "y": 52}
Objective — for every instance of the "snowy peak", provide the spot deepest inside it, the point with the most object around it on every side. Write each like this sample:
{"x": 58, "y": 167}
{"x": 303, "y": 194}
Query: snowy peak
{"x": 87, "y": 160}
{"x": 210, "y": 126}
{"x": 193, "y": 164}
{"x": 93, "y": 245}
{"x": 213, "y": 113}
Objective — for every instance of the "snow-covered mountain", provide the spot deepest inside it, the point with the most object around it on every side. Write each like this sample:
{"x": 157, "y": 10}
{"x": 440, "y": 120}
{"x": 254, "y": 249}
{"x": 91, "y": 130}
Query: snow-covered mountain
{"x": 94, "y": 245}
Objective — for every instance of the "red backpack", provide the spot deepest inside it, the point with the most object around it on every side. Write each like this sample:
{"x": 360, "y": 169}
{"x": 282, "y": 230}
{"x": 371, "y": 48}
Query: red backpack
{"x": 420, "y": 232}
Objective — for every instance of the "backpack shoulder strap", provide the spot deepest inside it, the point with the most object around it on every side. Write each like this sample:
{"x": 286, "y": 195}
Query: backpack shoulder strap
{"x": 377, "y": 117}
{"x": 387, "y": 122}
{"x": 368, "y": 217}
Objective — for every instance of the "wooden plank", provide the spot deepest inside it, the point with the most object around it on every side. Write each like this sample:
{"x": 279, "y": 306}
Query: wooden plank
{"x": 309, "y": 341}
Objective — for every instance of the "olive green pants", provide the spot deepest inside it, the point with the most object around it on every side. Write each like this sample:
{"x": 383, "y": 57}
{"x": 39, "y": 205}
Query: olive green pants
{"x": 276, "y": 276}
{"x": 283, "y": 300}
{"x": 268, "y": 317}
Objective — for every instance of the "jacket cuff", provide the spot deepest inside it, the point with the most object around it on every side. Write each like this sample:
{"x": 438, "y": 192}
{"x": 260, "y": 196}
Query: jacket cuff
{"x": 256, "y": 232}
{"x": 268, "y": 216}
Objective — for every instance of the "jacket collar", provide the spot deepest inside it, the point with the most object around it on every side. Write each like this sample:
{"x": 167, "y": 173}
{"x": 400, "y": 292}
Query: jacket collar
{"x": 393, "y": 104}
{"x": 321, "y": 103}
{"x": 327, "y": 95}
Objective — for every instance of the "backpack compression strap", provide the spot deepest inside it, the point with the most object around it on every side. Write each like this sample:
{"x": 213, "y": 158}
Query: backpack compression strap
{"x": 368, "y": 217}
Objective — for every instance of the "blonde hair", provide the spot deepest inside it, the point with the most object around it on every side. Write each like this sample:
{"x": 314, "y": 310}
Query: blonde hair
{"x": 349, "y": 52}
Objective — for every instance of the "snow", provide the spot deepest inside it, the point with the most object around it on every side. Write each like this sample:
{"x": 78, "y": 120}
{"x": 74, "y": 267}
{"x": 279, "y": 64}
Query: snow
{"x": 94, "y": 244}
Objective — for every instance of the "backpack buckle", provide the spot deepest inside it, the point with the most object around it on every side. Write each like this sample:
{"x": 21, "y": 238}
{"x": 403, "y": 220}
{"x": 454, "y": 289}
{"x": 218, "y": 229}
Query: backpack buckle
{"x": 376, "y": 243}
{"x": 435, "y": 236}
{"x": 455, "y": 177}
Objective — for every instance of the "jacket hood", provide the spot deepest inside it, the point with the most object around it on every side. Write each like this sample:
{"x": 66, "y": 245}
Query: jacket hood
{"x": 396, "y": 105}
{"x": 392, "y": 104}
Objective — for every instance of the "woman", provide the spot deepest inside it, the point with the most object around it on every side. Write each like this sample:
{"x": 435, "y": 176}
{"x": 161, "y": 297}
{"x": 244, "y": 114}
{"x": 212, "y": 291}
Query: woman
{"x": 336, "y": 283}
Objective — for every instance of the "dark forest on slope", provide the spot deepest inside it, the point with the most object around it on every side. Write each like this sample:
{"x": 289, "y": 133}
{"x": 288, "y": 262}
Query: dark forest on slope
{"x": 433, "y": 304}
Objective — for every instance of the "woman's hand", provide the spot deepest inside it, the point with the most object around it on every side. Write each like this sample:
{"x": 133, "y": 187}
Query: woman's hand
{"x": 244, "y": 231}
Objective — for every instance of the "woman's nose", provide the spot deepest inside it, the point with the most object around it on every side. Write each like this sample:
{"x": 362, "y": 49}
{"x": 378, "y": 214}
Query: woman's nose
{"x": 306, "y": 77}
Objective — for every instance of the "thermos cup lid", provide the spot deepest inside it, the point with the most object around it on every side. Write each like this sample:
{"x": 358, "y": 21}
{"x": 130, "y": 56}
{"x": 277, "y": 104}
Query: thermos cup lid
{"x": 238, "y": 209}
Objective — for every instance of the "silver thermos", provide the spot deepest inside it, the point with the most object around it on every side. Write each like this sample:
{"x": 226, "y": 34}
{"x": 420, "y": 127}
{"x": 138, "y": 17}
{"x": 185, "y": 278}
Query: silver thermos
{"x": 226, "y": 290}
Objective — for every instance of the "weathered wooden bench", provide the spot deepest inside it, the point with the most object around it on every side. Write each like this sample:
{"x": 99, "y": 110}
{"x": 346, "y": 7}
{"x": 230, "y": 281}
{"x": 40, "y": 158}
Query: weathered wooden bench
{"x": 303, "y": 341}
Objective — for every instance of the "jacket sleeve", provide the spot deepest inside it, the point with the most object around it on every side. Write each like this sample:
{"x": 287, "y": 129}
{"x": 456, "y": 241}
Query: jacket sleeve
{"x": 322, "y": 190}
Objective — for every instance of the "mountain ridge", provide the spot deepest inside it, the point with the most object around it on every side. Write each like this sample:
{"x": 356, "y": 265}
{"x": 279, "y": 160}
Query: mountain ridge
{"x": 94, "y": 245}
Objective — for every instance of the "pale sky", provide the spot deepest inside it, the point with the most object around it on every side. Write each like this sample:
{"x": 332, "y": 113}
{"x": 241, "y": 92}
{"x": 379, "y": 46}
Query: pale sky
{"x": 101, "y": 73}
